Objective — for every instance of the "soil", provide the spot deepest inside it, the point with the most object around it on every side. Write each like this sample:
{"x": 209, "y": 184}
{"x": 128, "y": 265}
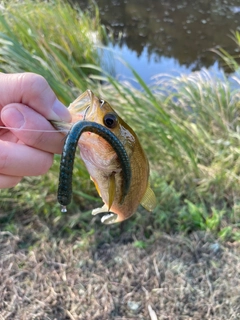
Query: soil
{"x": 174, "y": 277}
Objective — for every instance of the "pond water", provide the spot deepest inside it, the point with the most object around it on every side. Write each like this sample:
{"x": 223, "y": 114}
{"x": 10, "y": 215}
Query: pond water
{"x": 174, "y": 36}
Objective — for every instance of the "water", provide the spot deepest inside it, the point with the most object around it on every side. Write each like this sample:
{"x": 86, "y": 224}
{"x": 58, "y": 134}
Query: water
{"x": 160, "y": 36}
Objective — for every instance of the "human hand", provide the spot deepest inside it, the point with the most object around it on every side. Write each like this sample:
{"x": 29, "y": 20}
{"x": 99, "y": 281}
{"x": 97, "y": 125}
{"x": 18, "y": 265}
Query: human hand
{"x": 27, "y": 102}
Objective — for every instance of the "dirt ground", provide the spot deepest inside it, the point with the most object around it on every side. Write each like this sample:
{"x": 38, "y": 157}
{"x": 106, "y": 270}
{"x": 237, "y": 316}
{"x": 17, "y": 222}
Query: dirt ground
{"x": 174, "y": 277}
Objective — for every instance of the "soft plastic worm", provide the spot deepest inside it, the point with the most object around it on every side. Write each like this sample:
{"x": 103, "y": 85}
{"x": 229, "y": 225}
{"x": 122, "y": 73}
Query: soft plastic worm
{"x": 68, "y": 154}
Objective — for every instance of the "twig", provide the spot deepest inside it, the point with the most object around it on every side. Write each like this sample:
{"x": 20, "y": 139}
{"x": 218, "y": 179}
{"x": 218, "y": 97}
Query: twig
{"x": 70, "y": 315}
{"x": 152, "y": 313}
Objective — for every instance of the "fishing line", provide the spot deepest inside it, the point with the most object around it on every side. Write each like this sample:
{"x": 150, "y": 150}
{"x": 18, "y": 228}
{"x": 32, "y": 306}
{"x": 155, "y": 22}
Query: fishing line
{"x": 35, "y": 130}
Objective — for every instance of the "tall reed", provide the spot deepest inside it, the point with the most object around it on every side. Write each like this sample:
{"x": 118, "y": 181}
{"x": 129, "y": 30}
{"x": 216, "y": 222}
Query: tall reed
{"x": 51, "y": 38}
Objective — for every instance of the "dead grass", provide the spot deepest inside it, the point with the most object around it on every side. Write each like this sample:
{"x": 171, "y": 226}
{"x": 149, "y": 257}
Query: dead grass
{"x": 176, "y": 277}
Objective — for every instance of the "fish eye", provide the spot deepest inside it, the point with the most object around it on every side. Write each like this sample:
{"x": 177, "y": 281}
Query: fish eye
{"x": 110, "y": 120}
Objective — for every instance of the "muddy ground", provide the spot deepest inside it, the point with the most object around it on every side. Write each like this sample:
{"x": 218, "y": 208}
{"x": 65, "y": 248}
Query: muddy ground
{"x": 174, "y": 277}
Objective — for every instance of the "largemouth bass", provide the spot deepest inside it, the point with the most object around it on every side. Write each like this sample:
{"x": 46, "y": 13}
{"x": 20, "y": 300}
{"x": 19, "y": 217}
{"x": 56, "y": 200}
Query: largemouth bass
{"x": 102, "y": 161}
{"x": 68, "y": 154}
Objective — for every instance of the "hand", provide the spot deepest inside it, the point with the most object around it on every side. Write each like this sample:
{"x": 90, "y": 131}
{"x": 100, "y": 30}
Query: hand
{"x": 27, "y": 102}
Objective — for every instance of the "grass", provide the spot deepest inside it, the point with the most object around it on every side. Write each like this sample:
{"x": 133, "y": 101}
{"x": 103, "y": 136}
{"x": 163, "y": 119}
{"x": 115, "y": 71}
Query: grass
{"x": 192, "y": 121}
{"x": 53, "y": 39}
{"x": 230, "y": 61}
{"x": 194, "y": 277}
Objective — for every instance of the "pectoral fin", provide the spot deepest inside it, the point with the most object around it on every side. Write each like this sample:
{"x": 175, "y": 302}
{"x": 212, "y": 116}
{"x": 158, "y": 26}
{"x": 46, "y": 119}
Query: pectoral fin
{"x": 96, "y": 211}
{"x": 96, "y": 186}
{"x": 149, "y": 200}
{"x": 109, "y": 218}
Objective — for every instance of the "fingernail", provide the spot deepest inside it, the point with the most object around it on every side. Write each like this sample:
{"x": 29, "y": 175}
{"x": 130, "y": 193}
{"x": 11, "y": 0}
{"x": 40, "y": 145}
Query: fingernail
{"x": 59, "y": 112}
{"x": 12, "y": 117}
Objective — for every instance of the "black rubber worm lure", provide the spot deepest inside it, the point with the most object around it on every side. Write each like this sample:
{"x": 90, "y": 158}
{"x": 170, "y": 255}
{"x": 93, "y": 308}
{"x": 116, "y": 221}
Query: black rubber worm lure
{"x": 68, "y": 154}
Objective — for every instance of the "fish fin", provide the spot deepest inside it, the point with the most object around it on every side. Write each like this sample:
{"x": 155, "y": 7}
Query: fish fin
{"x": 111, "y": 190}
{"x": 96, "y": 186}
{"x": 109, "y": 218}
{"x": 149, "y": 201}
{"x": 96, "y": 211}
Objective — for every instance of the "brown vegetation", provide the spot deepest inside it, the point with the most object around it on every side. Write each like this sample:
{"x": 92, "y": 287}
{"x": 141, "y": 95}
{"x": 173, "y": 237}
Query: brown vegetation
{"x": 175, "y": 277}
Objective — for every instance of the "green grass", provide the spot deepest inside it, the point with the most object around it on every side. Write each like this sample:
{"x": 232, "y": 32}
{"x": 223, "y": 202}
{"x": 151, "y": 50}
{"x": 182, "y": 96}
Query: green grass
{"x": 53, "y": 39}
{"x": 231, "y": 61}
{"x": 192, "y": 122}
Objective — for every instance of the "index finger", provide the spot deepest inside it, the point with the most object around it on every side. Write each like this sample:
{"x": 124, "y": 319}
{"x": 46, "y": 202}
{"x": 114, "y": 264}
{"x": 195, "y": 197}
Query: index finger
{"x": 34, "y": 91}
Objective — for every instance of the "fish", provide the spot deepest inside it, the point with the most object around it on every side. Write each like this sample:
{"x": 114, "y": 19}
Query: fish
{"x": 67, "y": 159}
{"x": 102, "y": 161}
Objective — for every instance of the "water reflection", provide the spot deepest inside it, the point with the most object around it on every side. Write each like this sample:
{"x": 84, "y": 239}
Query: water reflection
{"x": 184, "y": 30}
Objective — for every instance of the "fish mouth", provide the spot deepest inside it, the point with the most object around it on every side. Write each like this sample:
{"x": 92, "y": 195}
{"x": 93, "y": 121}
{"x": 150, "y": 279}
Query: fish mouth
{"x": 67, "y": 159}
{"x": 85, "y": 107}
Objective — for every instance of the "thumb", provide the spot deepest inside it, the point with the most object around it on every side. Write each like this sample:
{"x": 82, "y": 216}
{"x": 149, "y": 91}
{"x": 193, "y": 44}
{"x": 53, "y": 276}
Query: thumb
{"x": 31, "y": 128}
